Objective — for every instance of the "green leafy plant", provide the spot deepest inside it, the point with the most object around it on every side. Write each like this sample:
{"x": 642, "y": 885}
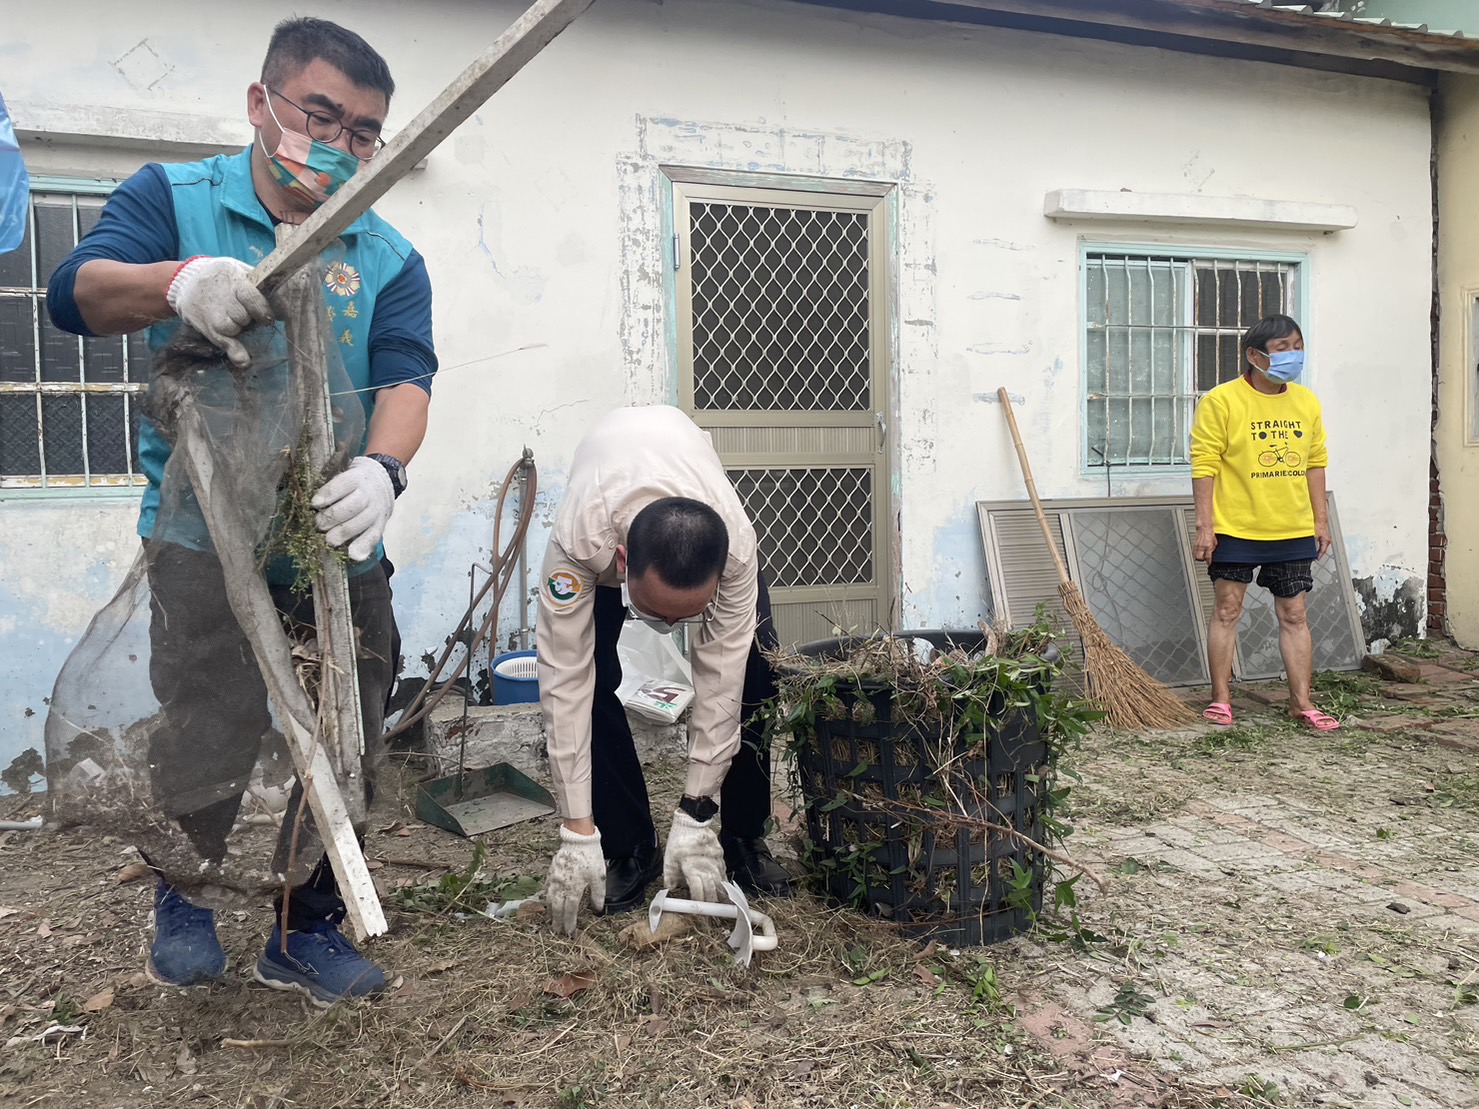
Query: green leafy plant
{"x": 466, "y": 891}
{"x": 294, "y": 530}
{"x": 1344, "y": 695}
{"x": 1127, "y": 1004}
{"x": 1459, "y": 791}
{"x": 984, "y": 985}
{"x": 1241, "y": 737}
{"x": 1262, "y": 1090}
{"x": 1416, "y": 648}
{"x": 885, "y": 731}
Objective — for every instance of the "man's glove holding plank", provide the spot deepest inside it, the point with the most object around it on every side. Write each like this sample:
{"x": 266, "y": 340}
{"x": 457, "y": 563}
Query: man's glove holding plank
{"x": 216, "y": 297}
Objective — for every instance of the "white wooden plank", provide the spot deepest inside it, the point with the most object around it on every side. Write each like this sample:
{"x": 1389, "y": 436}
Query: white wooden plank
{"x": 251, "y": 603}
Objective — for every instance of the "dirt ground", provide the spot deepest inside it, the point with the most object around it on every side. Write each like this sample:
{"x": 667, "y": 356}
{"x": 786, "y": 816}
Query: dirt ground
{"x": 1288, "y": 919}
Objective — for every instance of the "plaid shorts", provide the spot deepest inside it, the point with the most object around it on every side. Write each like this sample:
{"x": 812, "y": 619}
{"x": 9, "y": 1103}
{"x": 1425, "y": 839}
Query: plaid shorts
{"x": 1282, "y": 579}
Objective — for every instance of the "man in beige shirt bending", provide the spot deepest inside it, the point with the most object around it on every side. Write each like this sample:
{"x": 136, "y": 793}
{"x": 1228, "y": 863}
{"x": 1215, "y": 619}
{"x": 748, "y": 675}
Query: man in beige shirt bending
{"x": 651, "y": 524}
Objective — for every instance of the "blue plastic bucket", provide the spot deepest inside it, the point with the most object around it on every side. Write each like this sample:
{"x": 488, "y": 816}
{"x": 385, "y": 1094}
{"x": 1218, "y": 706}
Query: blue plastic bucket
{"x": 515, "y": 678}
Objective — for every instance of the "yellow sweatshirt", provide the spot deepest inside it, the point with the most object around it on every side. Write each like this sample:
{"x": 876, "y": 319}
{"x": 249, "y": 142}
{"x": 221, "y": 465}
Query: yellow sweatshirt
{"x": 1258, "y": 447}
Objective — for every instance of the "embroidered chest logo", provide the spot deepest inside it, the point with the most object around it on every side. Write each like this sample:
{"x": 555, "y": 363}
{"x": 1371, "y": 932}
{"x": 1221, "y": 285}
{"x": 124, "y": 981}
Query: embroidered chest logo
{"x": 342, "y": 278}
{"x": 562, "y": 587}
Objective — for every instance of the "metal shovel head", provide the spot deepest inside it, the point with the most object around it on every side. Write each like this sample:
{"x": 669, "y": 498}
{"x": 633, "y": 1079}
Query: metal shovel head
{"x": 477, "y": 801}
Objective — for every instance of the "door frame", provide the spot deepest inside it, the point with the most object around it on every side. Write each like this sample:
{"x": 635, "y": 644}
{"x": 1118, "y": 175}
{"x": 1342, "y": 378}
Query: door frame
{"x": 878, "y": 201}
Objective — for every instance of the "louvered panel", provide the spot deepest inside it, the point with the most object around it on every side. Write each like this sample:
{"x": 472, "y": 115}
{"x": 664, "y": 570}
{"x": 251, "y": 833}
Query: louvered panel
{"x": 807, "y": 621}
{"x": 792, "y": 443}
{"x": 1028, "y": 577}
{"x": 1206, "y": 595}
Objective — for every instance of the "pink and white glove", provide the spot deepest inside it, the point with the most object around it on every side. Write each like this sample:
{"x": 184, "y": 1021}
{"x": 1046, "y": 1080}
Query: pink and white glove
{"x": 216, "y": 297}
{"x": 355, "y": 506}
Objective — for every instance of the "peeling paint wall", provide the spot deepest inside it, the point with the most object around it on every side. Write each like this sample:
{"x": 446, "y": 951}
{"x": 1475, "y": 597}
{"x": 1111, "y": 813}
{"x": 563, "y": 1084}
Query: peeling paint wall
{"x": 542, "y": 222}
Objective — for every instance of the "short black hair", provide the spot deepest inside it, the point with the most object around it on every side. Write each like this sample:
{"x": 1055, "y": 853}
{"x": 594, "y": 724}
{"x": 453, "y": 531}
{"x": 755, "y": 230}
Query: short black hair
{"x": 684, "y": 540}
{"x": 1268, "y": 329}
{"x": 296, "y": 42}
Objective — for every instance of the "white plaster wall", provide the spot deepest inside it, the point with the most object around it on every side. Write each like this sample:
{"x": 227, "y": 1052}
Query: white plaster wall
{"x": 538, "y": 221}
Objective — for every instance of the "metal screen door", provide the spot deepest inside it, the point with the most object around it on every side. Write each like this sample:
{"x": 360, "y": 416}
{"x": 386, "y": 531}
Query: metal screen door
{"x": 783, "y": 359}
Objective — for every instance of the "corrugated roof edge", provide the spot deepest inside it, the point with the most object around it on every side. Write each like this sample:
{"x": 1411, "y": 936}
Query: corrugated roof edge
{"x": 1290, "y": 34}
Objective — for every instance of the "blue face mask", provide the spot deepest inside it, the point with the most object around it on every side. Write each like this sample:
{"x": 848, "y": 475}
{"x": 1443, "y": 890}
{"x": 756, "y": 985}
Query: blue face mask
{"x": 1284, "y": 365}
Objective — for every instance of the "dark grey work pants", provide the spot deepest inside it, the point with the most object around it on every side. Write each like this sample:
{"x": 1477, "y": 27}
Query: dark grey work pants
{"x": 215, "y": 706}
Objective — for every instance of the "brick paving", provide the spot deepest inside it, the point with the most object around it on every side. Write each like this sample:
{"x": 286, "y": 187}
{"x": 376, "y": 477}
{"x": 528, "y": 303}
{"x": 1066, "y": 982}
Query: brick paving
{"x": 1306, "y": 910}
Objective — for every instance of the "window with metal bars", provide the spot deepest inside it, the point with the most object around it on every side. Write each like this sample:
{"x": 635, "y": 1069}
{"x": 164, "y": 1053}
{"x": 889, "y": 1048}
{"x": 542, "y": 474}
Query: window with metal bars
{"x": 69, "y": 406}
{"x": 1160, "y": 331}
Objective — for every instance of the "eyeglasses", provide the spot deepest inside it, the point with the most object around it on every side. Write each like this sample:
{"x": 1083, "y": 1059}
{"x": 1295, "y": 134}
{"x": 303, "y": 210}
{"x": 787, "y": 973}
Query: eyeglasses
{"x": 323, "y": 127}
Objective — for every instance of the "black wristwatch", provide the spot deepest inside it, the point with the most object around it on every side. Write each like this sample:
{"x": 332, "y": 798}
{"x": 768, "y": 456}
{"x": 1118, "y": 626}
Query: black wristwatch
{"x": 701, "y": 809}
{"x": 395, "y": 468}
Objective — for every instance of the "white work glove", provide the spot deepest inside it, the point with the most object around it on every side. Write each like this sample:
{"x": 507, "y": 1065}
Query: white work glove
{"x": 694, "y": 858}
{"x": 578, "y": 867}
{"x": 355, "y": 506}
{"x": 216, "y": 297}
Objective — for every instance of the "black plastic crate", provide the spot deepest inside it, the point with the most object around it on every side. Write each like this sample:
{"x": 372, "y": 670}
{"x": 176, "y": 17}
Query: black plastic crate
{"x": 896, "y": 820}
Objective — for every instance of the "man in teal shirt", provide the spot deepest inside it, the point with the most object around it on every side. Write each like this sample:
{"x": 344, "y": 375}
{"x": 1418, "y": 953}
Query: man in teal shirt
{"x": 177, "y": 243}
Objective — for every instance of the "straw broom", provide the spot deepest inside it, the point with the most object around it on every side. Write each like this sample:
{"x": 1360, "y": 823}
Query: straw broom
{"x": 1129, "y": 697}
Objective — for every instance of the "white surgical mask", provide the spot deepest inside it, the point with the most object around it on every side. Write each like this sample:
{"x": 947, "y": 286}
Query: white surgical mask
{"x": 656, "y": 623}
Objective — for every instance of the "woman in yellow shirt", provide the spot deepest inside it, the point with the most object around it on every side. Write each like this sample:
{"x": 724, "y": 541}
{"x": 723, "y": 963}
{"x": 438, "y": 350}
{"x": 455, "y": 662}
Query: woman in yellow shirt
{"x": 1258, "y": 479}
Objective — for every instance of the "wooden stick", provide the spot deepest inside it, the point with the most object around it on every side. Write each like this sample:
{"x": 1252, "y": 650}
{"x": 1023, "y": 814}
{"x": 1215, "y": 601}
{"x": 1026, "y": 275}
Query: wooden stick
{"x": 1042, "y": 517}
{"x": 456, "y": 1028}
{"x": 1131, "y": 698}
{"x": 300, "y": 306}
{"x": 254, "y": 1044}
{"x": 418, "y": 864}
{"x": 493, "y": 69}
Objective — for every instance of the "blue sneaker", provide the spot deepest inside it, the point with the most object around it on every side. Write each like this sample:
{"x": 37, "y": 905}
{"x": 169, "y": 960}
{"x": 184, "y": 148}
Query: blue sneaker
{"x": 184, "y": 950}
{"x": 322, "y": 964}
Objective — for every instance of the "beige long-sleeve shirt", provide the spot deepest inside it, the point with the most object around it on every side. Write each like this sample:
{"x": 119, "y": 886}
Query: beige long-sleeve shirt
{"x": 631, "y": 458}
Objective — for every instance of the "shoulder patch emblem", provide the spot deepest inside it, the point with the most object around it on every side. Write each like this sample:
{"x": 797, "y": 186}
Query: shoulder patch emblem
{"x": 342, "y": 278}
{"x": 562, "y": 587}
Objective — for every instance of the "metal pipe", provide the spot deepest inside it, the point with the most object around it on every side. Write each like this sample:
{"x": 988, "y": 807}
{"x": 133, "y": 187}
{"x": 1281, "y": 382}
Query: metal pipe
{"x": 524, "y": 466}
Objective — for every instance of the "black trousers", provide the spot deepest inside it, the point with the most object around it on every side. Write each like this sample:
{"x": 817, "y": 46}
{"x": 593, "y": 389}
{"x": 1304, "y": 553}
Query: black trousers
{"x": 618, "y": 791}
{"x": 215, "y": 707}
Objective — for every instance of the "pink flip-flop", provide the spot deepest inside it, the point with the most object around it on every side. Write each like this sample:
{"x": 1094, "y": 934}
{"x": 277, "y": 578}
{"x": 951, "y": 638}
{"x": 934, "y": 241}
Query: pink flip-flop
{"x": 1319, "y": 721}
{"x": 1219, "y": 712}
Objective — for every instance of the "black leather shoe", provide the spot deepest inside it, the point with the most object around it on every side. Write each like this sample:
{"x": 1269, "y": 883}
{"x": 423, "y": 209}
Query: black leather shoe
{"x": 754, "y": 869}
{"x": 627, "y": 879}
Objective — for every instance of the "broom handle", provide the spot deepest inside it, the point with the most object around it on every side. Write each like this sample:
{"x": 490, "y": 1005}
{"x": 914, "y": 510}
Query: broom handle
{"x": 1042, "y": 517}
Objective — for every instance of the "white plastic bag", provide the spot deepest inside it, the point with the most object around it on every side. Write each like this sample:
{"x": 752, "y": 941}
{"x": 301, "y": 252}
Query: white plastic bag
{"x": 656, "y": 682}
